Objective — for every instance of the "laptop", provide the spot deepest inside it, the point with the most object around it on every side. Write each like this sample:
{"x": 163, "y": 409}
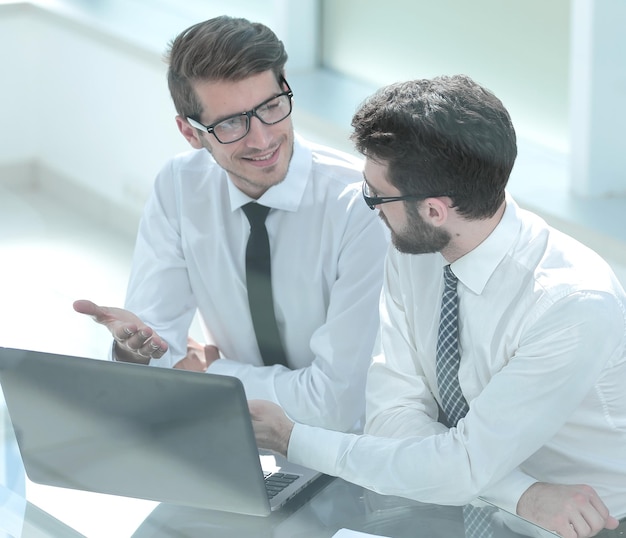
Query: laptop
{"x": 140, "y": 431}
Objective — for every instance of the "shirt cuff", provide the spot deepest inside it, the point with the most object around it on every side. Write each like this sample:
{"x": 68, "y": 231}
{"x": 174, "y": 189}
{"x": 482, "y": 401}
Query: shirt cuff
{"x": 304, "y": 448}
{"x": 507, "y": 492}
{"x": 224, "y": 366}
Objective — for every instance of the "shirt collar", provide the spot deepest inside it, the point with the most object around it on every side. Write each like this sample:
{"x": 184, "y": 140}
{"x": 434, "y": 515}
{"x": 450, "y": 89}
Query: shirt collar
{"x": 287, "y": 195}
{"x": 476, "y": 267}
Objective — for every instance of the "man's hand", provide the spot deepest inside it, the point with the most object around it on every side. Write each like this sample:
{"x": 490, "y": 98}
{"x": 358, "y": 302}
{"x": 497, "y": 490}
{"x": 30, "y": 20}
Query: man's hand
{"x": 198, "y": 357}
{"x": 135, "y": 341}
{"x": 272, "y": 428}
{"x": 572, "y": 511}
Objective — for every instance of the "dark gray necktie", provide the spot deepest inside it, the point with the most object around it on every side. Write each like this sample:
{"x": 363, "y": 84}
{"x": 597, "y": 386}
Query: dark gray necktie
{"x": 477, "y": 520}
{"x": 259, "y": 284}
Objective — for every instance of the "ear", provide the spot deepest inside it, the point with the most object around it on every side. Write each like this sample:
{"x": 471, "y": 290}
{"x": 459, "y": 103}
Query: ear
{"x": 190, "y": 133}
{"x": 436, "y": 211}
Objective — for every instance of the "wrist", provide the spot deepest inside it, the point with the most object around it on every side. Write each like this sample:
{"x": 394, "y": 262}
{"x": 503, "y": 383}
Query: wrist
{"x": 285, "y": 436}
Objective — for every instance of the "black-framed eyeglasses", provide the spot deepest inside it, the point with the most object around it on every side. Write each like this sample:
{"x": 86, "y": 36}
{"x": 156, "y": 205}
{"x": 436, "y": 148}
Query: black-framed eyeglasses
{"x": 373, "y": 201}
{"x": 235, "y": 127}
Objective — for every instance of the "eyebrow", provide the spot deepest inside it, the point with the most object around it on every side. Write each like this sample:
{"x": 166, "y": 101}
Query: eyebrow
{"x": 237, "y": 114}
{"x": 373, "y": 189}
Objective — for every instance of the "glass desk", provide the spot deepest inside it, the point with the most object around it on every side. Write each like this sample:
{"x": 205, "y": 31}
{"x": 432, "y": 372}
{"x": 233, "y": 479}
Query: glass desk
{"x": 330, "y": 508}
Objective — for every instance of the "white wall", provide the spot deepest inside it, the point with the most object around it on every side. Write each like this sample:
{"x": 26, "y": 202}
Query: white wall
{"x": 19, "y": 111}
{"x": 517, "y": 48}
{"x": 84, "y": 105}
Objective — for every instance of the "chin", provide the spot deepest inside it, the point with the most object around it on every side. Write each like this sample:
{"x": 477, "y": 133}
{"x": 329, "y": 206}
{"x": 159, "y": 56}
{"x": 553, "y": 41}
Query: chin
{"x": 412, "y": 246}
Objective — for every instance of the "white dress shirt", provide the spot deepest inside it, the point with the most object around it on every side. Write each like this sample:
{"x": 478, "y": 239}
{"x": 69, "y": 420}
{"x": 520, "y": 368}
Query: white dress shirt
{"x": 327, "y": 251}
{"x": 542, "y": 329}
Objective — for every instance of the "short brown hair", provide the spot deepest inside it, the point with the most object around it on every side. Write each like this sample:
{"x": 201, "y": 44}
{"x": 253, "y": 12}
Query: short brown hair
{"x": 222, "y": 48}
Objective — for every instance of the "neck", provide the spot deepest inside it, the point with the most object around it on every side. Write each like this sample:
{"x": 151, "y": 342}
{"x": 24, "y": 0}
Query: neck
{"x": 468, "y": 234}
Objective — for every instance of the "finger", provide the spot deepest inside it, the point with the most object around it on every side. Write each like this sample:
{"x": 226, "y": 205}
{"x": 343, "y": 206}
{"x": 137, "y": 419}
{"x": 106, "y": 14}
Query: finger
{"x": 124, "y": 333}
{"x": 133, "y": 339}
{"x": 609, "y": 521}
{"x": 153, "y": 350}
{"x": 159, "y": 351}
{"x": 595, "y": 516}
{"x": 582, "y": 528}
{"x": 152, "y": 347}
{"x": 565, "y": 532}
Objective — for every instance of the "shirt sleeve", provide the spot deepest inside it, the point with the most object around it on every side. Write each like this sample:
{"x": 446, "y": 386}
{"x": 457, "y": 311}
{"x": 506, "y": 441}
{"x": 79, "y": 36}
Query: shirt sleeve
{"x": 159, "y": 290}
{"x": 331, "y": 391}
{"x": 399, "y": 402}
{"x": 491, "y": 450}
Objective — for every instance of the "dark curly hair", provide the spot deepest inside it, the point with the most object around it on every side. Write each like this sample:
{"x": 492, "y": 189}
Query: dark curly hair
{"x": 443, "y": 135}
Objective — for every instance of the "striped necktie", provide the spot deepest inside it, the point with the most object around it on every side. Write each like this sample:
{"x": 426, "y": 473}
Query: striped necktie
{"x": 477, "y": 520}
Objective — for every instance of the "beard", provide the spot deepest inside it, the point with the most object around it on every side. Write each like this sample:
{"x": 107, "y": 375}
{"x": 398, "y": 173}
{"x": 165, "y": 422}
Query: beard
{"x": 417, "y": 237}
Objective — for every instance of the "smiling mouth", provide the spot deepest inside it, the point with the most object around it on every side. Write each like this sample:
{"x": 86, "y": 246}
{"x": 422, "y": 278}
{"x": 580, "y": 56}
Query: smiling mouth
{"x": 265, "y": 157}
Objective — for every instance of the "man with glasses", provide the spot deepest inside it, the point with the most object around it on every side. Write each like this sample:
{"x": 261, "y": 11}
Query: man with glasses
{"x": 501, "y": 370}
{"x": 227, "y": 80}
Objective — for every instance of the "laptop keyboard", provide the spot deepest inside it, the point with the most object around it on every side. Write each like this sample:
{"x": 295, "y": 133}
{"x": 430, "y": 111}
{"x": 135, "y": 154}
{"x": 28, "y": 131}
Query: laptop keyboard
{"x": 276, "y": 482}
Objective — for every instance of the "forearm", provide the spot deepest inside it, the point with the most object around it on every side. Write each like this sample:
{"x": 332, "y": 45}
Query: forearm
{"x": 298, "y": 392}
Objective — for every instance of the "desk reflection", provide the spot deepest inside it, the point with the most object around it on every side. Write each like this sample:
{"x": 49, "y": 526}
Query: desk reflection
{"x": 327, "y": 506}
{"x": 337, "y": 505}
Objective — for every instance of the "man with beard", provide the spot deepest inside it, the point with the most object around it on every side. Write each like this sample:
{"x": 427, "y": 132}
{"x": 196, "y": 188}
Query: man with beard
{"x": 228, "y": 83}
{"x": 501, "y": 365}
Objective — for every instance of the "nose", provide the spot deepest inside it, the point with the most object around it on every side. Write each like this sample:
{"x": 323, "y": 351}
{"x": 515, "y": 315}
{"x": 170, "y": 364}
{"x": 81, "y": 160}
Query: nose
{"x": 259, "y": 136}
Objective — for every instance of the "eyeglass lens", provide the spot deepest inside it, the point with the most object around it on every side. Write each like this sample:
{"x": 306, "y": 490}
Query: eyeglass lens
{"x": 271, "y": 112}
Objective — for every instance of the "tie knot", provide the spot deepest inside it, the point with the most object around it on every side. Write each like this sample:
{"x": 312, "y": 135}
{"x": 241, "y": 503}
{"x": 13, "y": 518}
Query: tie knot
{"x": 449, "y": 277}
{"x": 256, "y": 213}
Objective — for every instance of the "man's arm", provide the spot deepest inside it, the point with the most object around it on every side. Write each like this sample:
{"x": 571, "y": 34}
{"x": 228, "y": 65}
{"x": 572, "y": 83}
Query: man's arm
{"x": 159, "y": 289}
{"x": 572, "y": 511}
{"x": 491, "y": 442}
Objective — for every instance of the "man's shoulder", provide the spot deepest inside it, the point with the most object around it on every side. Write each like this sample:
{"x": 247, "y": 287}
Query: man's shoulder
{"x": 559, "y": 265}
{"x": 190, "y": 160}
{"x": 331, "y": 160}
{"x": 325, "y": 155}
{"x": 188, "y": 167}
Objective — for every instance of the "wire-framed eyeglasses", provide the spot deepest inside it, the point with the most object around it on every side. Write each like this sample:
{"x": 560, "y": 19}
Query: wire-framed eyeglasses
{"x": 235, "y": 127}
{"x": 373, "y": 201}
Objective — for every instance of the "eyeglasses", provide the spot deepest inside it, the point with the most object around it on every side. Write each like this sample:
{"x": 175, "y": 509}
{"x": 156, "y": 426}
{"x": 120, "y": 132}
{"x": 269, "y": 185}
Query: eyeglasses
{"x": 235, "y": 127}
{"x": 373, "y": 201}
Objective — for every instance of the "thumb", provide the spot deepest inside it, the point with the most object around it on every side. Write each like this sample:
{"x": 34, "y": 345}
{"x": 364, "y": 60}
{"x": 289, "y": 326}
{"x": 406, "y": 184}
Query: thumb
{"x": 98, "y": 313}
{"x": 611, "y": 523}
{"x": 83, "y": 306}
